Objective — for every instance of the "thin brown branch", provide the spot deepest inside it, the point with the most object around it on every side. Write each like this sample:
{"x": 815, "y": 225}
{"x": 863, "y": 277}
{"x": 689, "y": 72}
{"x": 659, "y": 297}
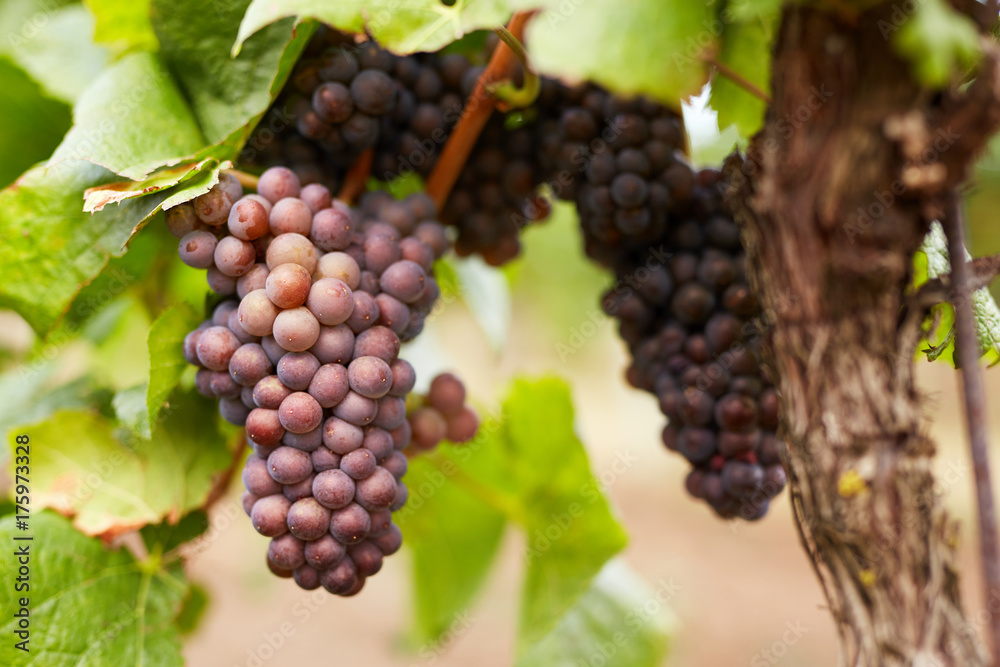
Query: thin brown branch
{"x": 248, "y": 181}
{"x": 221, "y": 485}
{"x": 357, "y": 177}
{"x": 982, "y": 271}
{"x": 476, "y": 113}
{"x": 967, "y": 349}
{"x": 739, "y": 80}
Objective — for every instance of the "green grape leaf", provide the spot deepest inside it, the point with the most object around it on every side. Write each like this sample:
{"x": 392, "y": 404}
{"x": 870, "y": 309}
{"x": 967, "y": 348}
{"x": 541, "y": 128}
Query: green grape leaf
{"x": 452, "y": 535}
{"x": 123, "y": 25}
{"x": 28, "y": 394}
{"x": 166, "y": 355}
{"x": 96, "y": 198}
{"x": 167, "y": 536}
{"x": 130, "y": 410}
{"x": 110, "y": 486}
{"x": 416, "y": 25}
{"x": 938, "y": 40}
{"x": 227, "y": 95}
{"x": 52, "y": 40}
{"x": 570, "y": 528}
{"x": 619, "y": 620}
{"x": 131, "y": 120}
{"x": 642, "y": 47}
{"x": 33, "y": 122}
{"x": 932, "y": 261}
{"x": 89, "y": 605}
{"x": 746, "y": 49}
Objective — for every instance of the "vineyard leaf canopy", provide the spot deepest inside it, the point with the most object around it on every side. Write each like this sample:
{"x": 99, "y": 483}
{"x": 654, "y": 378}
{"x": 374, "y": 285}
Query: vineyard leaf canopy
{"x": 90, "y": 605}
{"x": 402, "y": 27}
{"x": 109, "y": 486}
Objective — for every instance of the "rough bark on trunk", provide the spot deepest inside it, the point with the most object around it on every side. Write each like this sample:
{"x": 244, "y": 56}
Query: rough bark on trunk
{"x": 835, "y": 195}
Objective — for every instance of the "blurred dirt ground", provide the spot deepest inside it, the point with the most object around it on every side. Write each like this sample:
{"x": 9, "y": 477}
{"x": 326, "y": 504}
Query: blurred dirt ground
{"x": 747, "y": 595}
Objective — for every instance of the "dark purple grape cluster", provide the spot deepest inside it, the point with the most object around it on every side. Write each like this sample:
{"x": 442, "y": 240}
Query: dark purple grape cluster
{"x": 306, "y": 357}
{"x": 620, "y": 161}
{"x": 442, "y": 415}
{"x": 692, "y": 326}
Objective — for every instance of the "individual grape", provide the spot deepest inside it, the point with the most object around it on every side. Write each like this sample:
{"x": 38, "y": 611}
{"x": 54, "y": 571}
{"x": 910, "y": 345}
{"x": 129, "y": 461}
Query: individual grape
{"x": 299, "y": 490}
{"x": 378, "y": 442}
{"x": 368, "y": 283}
{"x": 350, "y": 524}
{"x": 332, "y": 230}
{"x": 736, "y": 412}
{"x": 203, "y": 383}
{"x": 231, "y": 185}
{"x": 463, "y": 426}
{"x": 213, "y": 207}
{"x": 191, "y": 345}
{"x": 249, "y": 365}
{"x": 374, "y": 92}
{"x": 290, "y": 215}
{"x": 381, "y": 250}
{"x": 433, "y": 234}
{"x": 370, "y": 376}
{"x": 233, "y": 256}
{"x": 334, "y": 345}
{"x": 365, "y": 313}
{"x": 241, "y": 334}
{"x": 692, "y": 304}
{"x": 340, "y": 436}
{"x": 341, "y": 266}
{"x": 297, "y": 369}
{"x": 375, "y": 491}
{"x": 220, "y": 316}
{"x": 247, "y": 500}
{"x": 287, "y": 286}
{"x": 339, "y": 65}
{"x": 356, "y": 409}
{"x": 429, "y": 428}
{"x": 300, "y": 413}
{"x": 277, "y": 571}
{"x": 403, "y": 378}
{"x": 390, "y": 542}
{"x": 288, "y": 465}
{"x": 359, "y": 131}
{"x": 393, "y": 313}
{"x": 367, "y": 558}
{"x": 181, "y": 220}
{"x": 215, "y": 347}
{"x": 256, "y": 478}
{"x": 316, "y": 196}
{"x": 223, "y": 386}
{"x": 341, "y": 578}
{"x": 397, "y": 464}
{"x": 402, "y": 494}
{"x": 219, "y": 282}
{"x": 329, "y": 385}
{"x": 233, "y": 411}
{"x": 306, "y": 577}
{"x": 446, "y": 394}
{"x": 629, "y": 190}
{"x": 325, "y": 459}
{"x": 417, "y": 252}
{"x": 331, "y": 301}
{"x": 286, "y": 552}
{"x": 381, "y": 522}
{"x": 324, "y": 552}
{"x": 308, "y": 519}
{"x": 378, "y": 341}
{"x": 358, "y": 464}
{"x": 333, "y": 102}
{"x": 391, "y": 413}
{"x": 403, "y": 280}
{"x": 254, "y": 279}
{"x": 277, "y": 183}
{"x": 257, "y": 315}
{"x": 248, "y": 220}
{"x": 269, "y": 392}
{"x": 307, "y": 442}
{"x": 292, "y": 249}
{"x": 296, "y": 329}
{"x": 401, "y": 434}
{"x": 269, "y": 515}
{"x": 197, "y": 249}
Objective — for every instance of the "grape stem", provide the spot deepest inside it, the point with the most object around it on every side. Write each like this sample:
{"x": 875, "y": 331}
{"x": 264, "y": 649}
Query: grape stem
{"x": 357, "y": 177}
{"x": 476, "y": 113}
{"x": 967, "y": 351}
{"x": 248, "y": 181}
{"x": 509, "y": 94}
{"x": 739, "y": 80}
